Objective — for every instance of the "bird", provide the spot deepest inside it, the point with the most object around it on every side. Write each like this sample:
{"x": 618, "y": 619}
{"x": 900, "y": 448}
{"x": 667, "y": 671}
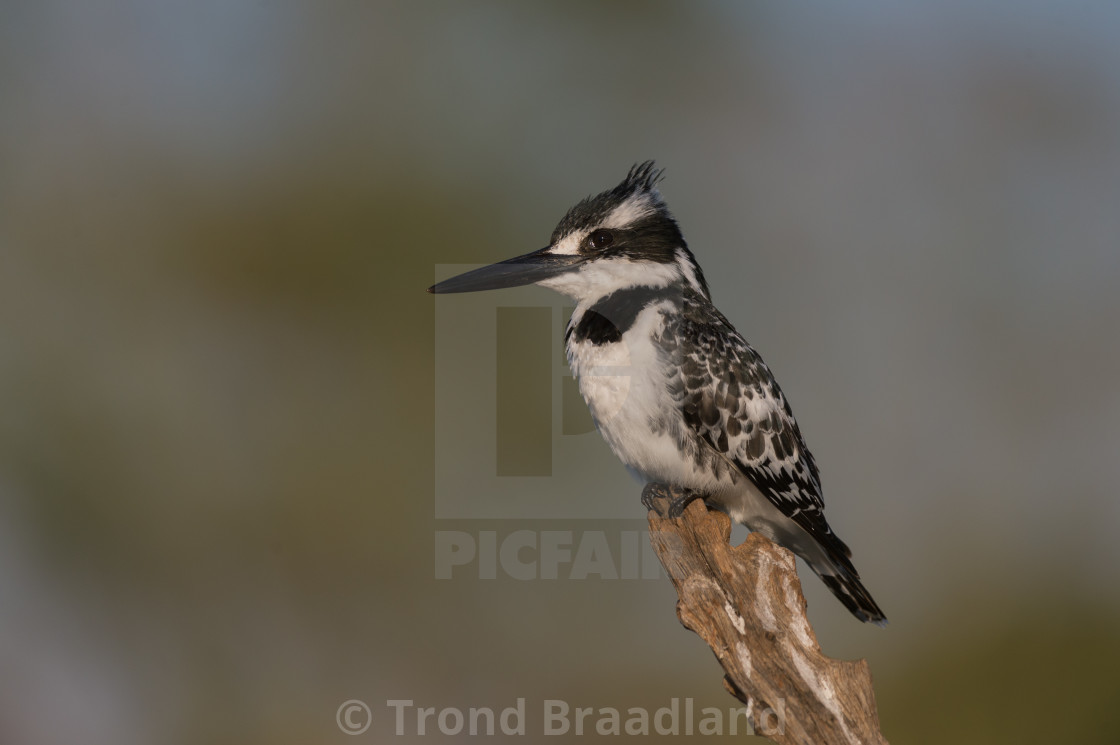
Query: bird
{"x": 678, "y": 394}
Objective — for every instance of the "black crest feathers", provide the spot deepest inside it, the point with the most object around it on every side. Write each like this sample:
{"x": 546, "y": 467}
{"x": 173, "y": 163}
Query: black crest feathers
{"x": 642, "y": 177}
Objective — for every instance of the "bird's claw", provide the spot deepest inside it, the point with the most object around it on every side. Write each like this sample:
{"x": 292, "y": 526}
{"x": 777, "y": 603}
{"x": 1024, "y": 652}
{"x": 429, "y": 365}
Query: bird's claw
{"x": 654, "y": 492}
{"x": 668, "y": 501}
{"x": 681, "y": 501}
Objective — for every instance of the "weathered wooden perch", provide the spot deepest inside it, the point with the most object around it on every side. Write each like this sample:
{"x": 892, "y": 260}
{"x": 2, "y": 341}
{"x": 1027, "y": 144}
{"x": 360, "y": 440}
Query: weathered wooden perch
{"x": 746, "y": 603}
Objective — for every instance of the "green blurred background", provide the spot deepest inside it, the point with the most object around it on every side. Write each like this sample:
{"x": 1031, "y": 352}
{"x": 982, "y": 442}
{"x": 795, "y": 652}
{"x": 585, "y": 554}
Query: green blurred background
{"x": 217, "y": 221}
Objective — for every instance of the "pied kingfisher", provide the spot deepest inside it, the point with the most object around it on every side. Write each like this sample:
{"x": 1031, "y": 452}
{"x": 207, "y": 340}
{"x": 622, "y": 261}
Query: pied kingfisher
{"x": 674, "y": 389}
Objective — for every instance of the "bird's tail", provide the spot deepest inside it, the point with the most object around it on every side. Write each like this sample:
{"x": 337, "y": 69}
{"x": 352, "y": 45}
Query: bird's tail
{"x": 840, "y": 576}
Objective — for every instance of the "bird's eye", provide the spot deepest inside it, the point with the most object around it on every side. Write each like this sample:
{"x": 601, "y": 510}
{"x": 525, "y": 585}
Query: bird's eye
{"x": 601, "y": 239}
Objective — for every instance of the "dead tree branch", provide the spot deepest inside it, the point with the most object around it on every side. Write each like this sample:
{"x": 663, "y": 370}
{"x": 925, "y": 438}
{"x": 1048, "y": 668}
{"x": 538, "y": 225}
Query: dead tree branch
{"x": 746, "y": 603}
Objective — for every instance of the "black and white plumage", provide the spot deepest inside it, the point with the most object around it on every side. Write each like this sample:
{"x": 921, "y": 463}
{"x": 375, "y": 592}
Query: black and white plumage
{"x": 678, "y": 394}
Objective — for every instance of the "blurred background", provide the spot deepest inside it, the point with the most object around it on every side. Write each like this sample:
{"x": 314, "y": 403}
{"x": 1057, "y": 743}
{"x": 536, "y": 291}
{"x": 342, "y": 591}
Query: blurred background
{"x": 217, "y": 358}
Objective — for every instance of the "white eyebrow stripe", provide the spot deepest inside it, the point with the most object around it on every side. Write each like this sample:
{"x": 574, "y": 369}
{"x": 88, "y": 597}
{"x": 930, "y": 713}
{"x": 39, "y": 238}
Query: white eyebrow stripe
{"x": 630, "y": 211}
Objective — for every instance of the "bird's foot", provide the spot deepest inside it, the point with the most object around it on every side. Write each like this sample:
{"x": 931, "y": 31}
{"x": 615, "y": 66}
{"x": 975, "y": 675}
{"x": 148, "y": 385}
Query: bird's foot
{"x": 683, "y": 498}
{"x": 653, "y": 493}
{"x": 668, "y": 501}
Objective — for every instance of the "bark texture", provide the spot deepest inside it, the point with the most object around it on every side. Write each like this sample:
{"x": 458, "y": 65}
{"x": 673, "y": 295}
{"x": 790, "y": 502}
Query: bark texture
{"x": 746, "y": 603}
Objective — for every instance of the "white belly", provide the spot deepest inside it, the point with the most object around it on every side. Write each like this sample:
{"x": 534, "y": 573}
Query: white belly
{"x": 625, "y": 385}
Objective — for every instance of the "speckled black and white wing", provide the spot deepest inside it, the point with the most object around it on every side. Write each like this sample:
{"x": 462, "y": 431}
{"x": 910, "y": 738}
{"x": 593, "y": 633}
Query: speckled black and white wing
{"x": 735, "y": 412}
{"x": 731, "y": 402}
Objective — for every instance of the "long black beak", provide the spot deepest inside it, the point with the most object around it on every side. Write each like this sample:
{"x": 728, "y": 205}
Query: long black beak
{"x": 520, "y": 270}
